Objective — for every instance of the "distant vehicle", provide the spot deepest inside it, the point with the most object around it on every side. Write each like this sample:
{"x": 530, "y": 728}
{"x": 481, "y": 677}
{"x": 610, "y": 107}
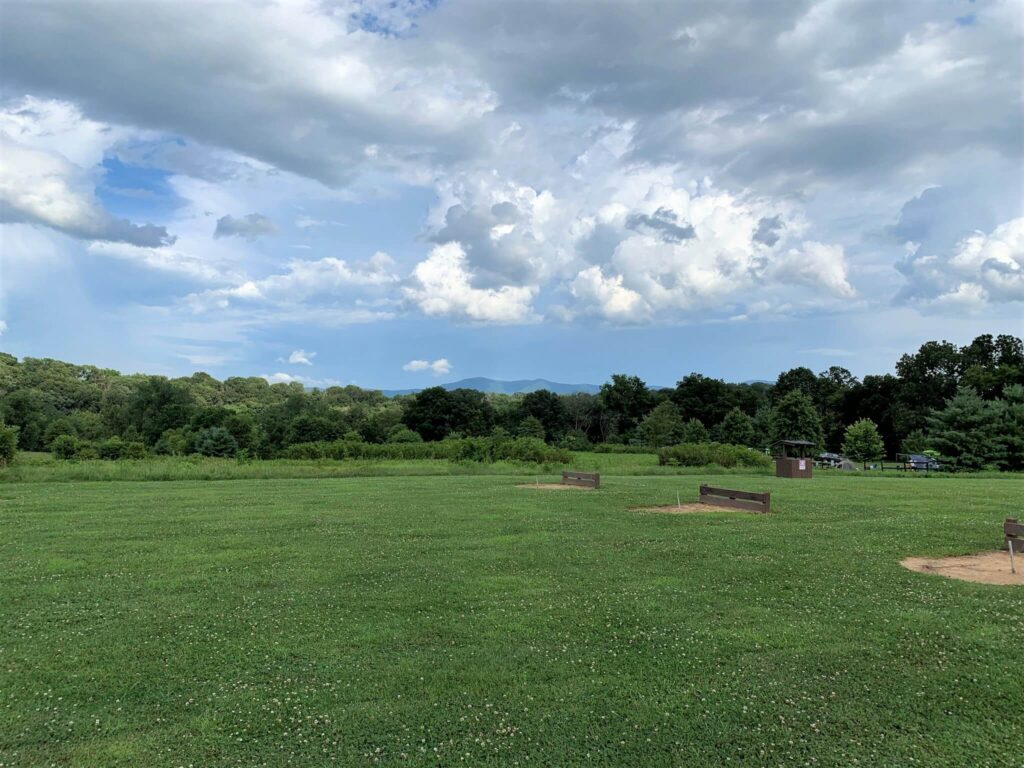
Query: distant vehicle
{"x": 918, "y": 462}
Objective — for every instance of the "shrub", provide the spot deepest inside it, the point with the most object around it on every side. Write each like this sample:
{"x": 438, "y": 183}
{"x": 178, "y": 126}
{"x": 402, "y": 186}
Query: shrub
{"x": 576, "y": 440}
{"x": 111, "y": 448}
{"x": 722, "y": 454}
{"x": 402, "y": 434}
{"x": 619, "y": 448}
{"x": 59, "y": 428}
{"x": 64, "y": 447}
{"x": 8, "y": 444}
{"x": 531, "y": 427}
{"x": 172, "y": 443}
{"x": 134, "y": 450}
{"x": 86, "y": 451}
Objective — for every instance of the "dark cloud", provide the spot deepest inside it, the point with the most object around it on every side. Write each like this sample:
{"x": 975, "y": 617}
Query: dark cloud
{"x": 250, "y": 227}
{"x": 99, "y": 227}
{"x": 746, "y": 91}
{"x": 143, "y": 235}
{"x": 768, "y": 229}
{"x": 664, "y": 223}
{"x": 506, "y": 260}
{"x": 204, "y": 76}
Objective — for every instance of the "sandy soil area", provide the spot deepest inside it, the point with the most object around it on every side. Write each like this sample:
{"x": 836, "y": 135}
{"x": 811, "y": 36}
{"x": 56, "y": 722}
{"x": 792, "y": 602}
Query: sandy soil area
{"x": 985, "y": 567}
{"x": 683, "y": 509}
{"x": 554, "y": 487}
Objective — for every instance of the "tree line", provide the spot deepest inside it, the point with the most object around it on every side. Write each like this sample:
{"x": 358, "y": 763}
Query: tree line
{"x": 965, "y": 403}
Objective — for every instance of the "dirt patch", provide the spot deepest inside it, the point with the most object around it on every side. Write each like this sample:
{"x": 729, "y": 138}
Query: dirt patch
{"x": 983, "y": 568}
{"x": 554, "y": 487}
{"x": 682, "y": 509}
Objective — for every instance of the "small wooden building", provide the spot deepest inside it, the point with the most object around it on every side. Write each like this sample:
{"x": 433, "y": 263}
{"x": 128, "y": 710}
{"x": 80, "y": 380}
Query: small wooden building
{"x": 792, "y": 458}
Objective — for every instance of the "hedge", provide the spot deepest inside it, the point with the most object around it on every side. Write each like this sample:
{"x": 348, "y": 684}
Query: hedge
{"x": 71, "y": 448}
{"x": 480, "y": 449}
{"x": 722, "y": 454}
{"x": 620, "y": 448}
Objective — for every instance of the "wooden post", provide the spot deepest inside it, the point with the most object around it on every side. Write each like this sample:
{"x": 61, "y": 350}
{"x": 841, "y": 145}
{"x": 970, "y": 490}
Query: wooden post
{"x": 1013, "y": 568}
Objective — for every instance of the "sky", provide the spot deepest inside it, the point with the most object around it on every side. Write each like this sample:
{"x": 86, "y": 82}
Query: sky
{"x": 395, "y": 193}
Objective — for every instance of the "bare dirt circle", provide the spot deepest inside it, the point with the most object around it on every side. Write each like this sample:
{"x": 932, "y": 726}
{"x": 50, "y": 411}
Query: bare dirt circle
{"x": 982, "y": 568}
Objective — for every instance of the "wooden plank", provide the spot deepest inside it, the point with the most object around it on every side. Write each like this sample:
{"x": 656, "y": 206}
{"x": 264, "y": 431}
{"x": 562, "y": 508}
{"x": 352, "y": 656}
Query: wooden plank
{"x": 583, "y": 479}
{"x": 734, "y": 499}
{"x": 746, "y": 506}
{"x": 707, "y": 490}
{"x": 1012, "y": 528}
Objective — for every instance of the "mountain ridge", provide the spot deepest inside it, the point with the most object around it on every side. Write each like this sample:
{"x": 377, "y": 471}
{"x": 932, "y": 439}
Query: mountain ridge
{"x": 500, "y": 386}
{"x": 517, "y": 386}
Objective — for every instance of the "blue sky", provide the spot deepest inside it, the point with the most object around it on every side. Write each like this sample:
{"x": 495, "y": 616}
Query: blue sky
{"x": 394, "y": 194}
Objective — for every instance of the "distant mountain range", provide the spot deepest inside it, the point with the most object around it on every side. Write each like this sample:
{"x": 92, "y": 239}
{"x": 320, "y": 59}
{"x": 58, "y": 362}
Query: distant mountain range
{"x": 497, "y": 386}
{"x": 484, "y": 384}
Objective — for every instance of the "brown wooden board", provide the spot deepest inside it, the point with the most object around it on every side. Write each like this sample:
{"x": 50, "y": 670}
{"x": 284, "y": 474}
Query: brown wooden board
{"x": 708, "y": 490}
{"x": 733, "y": 499}
{"x": 721, "y": 501}
{"x": 585, "y": 479}
{"x": 1012, "y": 528}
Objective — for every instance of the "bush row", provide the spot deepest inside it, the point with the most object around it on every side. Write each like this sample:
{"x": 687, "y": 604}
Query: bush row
{"x": 481, "y": 449}
{"x": 722, "y": 454}
{"x": 68, "y": 447}
{"x": 621, "y": 448}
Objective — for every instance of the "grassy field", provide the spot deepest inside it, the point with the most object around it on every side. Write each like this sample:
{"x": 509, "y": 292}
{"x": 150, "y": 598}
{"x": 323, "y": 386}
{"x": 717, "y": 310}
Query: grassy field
{"x": 460, "y": 620}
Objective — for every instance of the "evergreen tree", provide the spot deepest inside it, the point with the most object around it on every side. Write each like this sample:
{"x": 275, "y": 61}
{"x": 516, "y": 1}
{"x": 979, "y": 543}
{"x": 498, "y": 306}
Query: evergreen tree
{"x": 736, "y": 428}
{"x": 215, "y": 441}
{"x": 1011, "y": 429}
{"x": 861, "y": 441}
{"x": 965, "y": 431}
{"x": 916, "y": 442}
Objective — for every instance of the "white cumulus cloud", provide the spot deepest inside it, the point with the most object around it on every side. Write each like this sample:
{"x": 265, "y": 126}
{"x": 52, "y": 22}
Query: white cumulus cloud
{"x": 438, "y": 367}
{"x": 984, "y": 268}
{"x": 38, "y": 186}
{"x": 287, "y": 378}
{"x": 442, "y": 286}
{"x": 301, "y": 357}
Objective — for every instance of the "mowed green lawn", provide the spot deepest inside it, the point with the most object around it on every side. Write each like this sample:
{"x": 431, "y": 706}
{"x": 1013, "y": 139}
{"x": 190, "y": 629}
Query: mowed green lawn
{"x": 465, "y": 621}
